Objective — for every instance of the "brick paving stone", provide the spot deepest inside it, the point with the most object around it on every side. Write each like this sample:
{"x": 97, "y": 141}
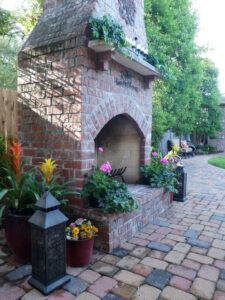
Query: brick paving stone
{"x": 139, "y": 242}
{"x": 176, "y": 238}
{"x": 25, "y": 284}
{"x": 205, "y": 238}
{"x": 89, "y": 276}
{"x": 142, "y": 270}
{"x": 19, "y": 273}
{"x": 74, "y": 271}
{"x": 104, "y": 269}
{"x": 222, "y": 274}
{"x": 171, "y": 293}
{"x": 218, "y": 244}
{"x": 111, "y": 296}
{"x": 160, "y": 223}
{"x": 75, "y": 286}
{"x": 209, "y": 272}
{"x": 216, "y": 253}
{"x": 154, "y": 263}
{"x": 193, "y": 234}
{"x": 219, "y": 295}
{"x": 9, "y": 292}
{"x": 110, "y": 259}
{"x": 157, "y": 254}
{"x": 156, "y": 237}
{"x": 168, "y": 242}
{"x": 124, "y": 291}
{"x": 120, "y": 252}
{"x": 3, "y": 253}
{"x": 163, "y": 230}
{"x": 159, "y": 246}
{"x": 197, "y": 227}
{"x": 200, "y": 258}
{"x": 34, "y": 295}
{"x": 158, "y": 278}
{"x": 128, "y": 246}
{"x": 6, "y": 268}
{"x": 140, "y": 252}
{"x": 219, "y": 264}
{"x": 85, "y": 296}
{"x": 61, "y": 294}
{"x": 129, "y": 278}
{"x": 220, "y": 285}
{"x": 199, "y": 250}
{"x": 199, "y": 243}
{"x": 203, "y": 288}
{"x": 12, "y": 260}
{"x": 182, "y": 247}
{"x": 180, "y": 283}
{"x": 146, "y": 292}
{"x": 127, "y": 262}
{"x": 191, "y": 264}
{"x": 1, "y": 261}
{"x": 175, "y": 257}
{"x": 182, "y": 271}
{"x": 102, "y": 286}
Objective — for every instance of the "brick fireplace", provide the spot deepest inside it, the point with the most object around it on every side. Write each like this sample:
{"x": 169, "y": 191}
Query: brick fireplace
{"x": 76, "y": 94}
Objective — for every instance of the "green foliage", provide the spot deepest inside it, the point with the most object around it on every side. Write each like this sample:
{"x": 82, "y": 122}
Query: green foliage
{"x": 108, "y": 29}
{"x": 5, "y": 161}
{"x": 161, "y": 173}
{"x": 177, "y": 99}
{"x": 6, "y": 22}
{"x": 218, "y": 161}
{"x": 112, "y": 196}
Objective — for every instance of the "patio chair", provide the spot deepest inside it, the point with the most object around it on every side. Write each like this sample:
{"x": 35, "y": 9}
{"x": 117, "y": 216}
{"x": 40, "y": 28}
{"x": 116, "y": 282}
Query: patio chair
{"x": 187, "y": 149}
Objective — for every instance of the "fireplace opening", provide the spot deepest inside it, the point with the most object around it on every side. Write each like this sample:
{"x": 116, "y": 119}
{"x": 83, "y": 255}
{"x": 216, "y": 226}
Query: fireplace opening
{"x": 121, "y": 140}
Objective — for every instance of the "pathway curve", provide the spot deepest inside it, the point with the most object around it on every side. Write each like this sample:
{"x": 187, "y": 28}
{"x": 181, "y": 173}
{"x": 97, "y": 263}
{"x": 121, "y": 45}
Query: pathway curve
{"x": 179, "y": 257}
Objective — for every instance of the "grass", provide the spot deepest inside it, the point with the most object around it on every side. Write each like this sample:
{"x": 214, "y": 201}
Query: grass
{"x": 218, "y": 161}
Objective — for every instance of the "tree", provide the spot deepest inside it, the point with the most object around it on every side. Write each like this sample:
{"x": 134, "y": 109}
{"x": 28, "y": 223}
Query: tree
{"x": 171, "y": 29}
{"x": 209, "y": 114}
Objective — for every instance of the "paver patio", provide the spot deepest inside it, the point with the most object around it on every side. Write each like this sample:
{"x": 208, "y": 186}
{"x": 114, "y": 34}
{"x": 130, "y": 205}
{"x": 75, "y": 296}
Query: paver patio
{"x": 179, "y": 257}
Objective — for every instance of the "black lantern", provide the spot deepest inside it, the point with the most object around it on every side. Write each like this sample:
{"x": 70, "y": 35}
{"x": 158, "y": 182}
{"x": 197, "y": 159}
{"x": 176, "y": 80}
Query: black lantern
{"x": 182, "y": 187}
{"x": 48, "y": 243}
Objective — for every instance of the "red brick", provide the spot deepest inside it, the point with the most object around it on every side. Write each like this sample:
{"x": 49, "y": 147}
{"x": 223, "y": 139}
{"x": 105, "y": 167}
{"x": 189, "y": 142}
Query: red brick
{"x": 191, "y": 264}
{"x": 182, "y": 271}
{"x": 180, "y": 283}
{"x": 102, "y": 286}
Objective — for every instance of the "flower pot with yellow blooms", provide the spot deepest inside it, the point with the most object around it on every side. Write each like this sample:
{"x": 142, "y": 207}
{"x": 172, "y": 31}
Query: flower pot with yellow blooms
{"x": 80, "y": 241}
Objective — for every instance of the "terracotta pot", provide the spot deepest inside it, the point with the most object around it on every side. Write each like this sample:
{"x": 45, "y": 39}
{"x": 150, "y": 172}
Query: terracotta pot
{"x": 79, "y": 253}
{"x": 171, "y": 197}
{"x": 17, "y": 232}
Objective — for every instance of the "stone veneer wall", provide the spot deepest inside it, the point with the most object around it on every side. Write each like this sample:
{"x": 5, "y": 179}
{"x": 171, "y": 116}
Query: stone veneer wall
{"x": 65, "y": 100}
{"x": 219, "y": 142}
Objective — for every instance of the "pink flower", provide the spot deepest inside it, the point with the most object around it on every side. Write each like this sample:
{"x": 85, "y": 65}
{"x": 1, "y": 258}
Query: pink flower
{"x": 164, "y": 161}
{"x": 155, "y": 154}
{"x": 100, "y": 149}
{"x": 106, "y": 167}
{"x": 172, "y": 159}
{"x": 72, "y": 224}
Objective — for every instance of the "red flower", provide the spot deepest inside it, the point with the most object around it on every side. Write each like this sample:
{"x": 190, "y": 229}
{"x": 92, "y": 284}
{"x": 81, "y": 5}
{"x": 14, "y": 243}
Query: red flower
{"x": 17, "y": 157}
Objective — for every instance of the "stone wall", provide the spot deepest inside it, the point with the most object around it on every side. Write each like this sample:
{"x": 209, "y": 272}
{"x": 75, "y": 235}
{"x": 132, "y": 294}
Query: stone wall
{"x": 219, "y": 142}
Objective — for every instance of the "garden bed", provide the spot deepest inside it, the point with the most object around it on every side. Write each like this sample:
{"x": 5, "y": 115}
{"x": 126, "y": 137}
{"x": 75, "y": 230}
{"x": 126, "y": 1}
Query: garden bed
{"x": 115, "y": 229}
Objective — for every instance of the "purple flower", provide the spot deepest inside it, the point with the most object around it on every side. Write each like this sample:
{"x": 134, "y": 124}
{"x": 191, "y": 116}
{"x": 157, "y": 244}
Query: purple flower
{"x": 72, "y": 224}
{"x": 164, "y": 161}
{"x": 155, "y": 154}
{"x": 106, "y": 167}
{"x": 172, "y": 159}
{"x": 100, "y": 149}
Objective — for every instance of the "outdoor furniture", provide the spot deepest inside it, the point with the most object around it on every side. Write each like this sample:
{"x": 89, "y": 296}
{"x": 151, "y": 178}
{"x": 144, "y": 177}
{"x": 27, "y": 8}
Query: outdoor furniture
{"x": 187, "y": 149}
{"x": 118, "y": 173}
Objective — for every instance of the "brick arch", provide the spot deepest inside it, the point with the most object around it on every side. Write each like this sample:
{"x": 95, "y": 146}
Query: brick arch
{"x": 104, "y": 112}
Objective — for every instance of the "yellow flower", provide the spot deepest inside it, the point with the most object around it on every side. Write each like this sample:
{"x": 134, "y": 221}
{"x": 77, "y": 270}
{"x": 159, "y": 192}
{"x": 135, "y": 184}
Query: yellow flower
{"x": 83, "y": 234}
{"x": 89, "y": 235}
{"x": 176, "y": 149}
{"x": 75, "y": 237}
{"x": 76, "y": 230}
{"x": 83, "y": 227}
{"x": 47, "y": 169}
{"x": 68, "y": 228}
{"x": 87, "y": 229}
{"x": 95, "y": 229}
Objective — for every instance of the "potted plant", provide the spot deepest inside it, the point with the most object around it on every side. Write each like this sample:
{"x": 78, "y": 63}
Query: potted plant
{"x": 17, "y": 202}
{"x": 80, "y": 240}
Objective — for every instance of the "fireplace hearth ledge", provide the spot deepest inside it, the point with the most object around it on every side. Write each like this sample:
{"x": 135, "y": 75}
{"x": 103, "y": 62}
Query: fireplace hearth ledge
{"x": 117, "y": 228}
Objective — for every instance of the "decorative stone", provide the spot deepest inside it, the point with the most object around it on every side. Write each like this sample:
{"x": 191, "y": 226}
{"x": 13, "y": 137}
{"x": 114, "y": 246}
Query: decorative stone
{"x": 142, "y": 270}
{"x": 209, "y": 273}
{"x": 175, "y": 257}
{"x": 128, "y": 262}
{"x": 154, "y": 263}
{"x": 86, "y": 296}
{"x": 159, "y": 246}
{"x": 124, "y": 291}
{"x": 129, "y": 278}
{"x": 120, "y": 252}
{"x": 19, "y": 273}
{"x": 199, "y": 243}
{"x": 180, "y": 283}
{"x": 203, "y": 288}
{"x": 193, "y": 234}
{"x": 170, "y": 293}
{"x": 182, "y": 271}
{"x": 140, "y": 252}
{"x": 110, "y": 259}
{"x": 182, "y": 247}
{"x": 104, "y": 269}
{"x": 102, "y": 286}
{"x": 146, "y": 292}
{"x": 200, "y": 258}
{"x": 89, "y": 276}
{"x": 75, "y": 286}
{"x": 158, "y": 278}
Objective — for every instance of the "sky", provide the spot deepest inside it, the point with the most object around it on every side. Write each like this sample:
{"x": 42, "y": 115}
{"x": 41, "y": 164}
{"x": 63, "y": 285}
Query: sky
{"x": 211, "y": 15}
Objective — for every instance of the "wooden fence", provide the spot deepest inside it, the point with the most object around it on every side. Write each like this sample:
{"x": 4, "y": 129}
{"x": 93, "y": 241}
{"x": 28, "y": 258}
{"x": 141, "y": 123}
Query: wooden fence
{"x": 8, "y": 113}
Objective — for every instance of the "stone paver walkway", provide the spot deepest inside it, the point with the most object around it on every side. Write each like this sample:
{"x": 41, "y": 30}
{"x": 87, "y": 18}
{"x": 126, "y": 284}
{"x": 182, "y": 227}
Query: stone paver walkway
{"x": 179, "y": 257}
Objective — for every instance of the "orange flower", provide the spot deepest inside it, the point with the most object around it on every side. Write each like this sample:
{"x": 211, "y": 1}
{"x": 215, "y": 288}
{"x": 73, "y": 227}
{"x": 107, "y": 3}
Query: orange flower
{"x": 17, "y": 158}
